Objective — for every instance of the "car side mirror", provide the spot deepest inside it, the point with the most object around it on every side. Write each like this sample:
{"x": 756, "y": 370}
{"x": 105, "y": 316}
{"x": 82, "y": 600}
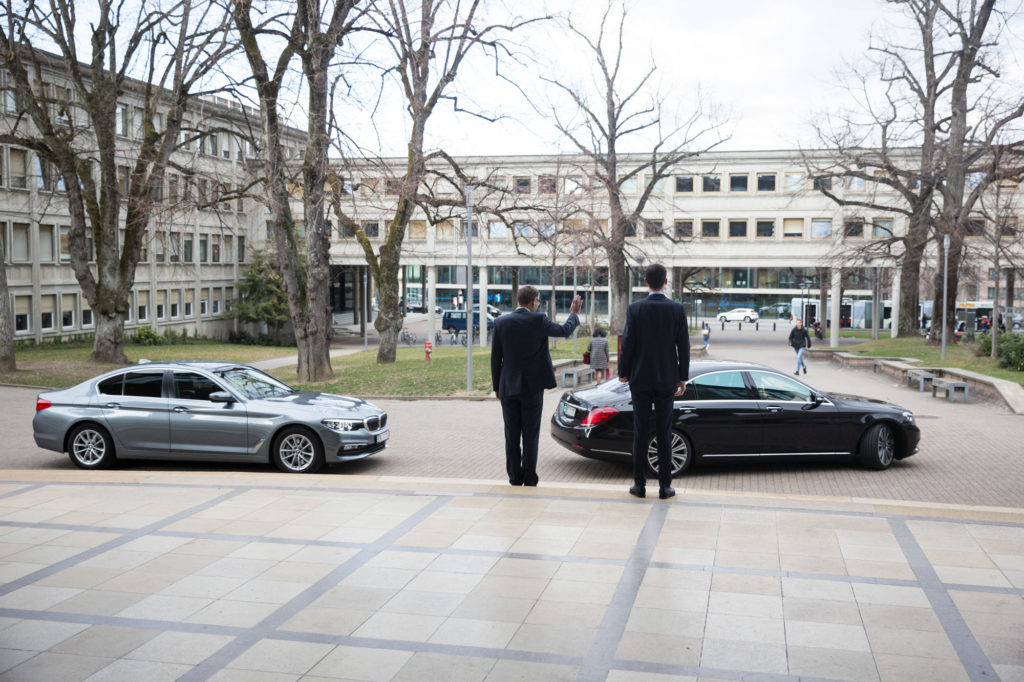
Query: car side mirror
{"x": 816, "y": 400}
{"x": 221, "y": 397}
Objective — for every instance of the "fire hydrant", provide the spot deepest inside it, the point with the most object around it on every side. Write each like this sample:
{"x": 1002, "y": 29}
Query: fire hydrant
{"x": 428, "y": 348}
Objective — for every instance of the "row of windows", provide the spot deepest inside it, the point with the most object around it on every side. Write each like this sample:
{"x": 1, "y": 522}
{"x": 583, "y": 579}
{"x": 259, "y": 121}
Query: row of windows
{"x": 73, "y": 311}
{"x": 172, "y": 247}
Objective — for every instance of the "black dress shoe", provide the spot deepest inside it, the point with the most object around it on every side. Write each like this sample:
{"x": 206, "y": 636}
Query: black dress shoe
{"x": 638, "y": 491}
{"x": 665, "y": 493}
{"x": 515, "y": 482}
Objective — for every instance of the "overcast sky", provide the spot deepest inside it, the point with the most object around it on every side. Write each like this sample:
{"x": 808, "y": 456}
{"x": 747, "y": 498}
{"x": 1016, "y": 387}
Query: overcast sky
{"x": 770, "y": 65}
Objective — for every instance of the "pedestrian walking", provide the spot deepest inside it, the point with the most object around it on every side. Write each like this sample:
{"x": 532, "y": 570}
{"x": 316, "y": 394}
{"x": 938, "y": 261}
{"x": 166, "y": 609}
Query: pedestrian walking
{"x": 655, "y": 360}
{"x": 800, "y": 340}
{"x": 598, "y": 350}
{"x": 520, "y": 371}
{"x": 706, "y": 335}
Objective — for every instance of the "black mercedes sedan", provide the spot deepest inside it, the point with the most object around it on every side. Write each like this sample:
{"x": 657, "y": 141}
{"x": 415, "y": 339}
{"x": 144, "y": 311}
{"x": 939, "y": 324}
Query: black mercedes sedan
{"x": 740, "y": 410}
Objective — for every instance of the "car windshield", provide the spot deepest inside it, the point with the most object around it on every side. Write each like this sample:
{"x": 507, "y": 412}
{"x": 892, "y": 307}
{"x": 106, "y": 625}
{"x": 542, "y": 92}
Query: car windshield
{"x": 253, "y": 383}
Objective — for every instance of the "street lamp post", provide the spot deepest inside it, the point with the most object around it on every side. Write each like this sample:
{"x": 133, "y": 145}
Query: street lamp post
{"x": 469, "y": 291}
{"x": 575, "y": 287}
{"x": 945, "y": 284}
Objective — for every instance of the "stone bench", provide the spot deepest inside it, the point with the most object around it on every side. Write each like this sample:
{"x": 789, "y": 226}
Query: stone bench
{"x": 579, "y": 375}
{"x": 950, "y": 387}
{"x": 921, "y": 376}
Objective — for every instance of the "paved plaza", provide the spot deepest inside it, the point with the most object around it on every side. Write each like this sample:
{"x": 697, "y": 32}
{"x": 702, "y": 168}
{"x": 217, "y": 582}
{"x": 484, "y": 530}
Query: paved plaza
{"x": 421, "y": 564}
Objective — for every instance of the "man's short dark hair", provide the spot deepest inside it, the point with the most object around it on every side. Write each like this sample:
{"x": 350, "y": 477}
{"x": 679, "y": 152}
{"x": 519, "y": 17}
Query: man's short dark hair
{"x": 527, "y": 294}
{"x": 655, "y": 275}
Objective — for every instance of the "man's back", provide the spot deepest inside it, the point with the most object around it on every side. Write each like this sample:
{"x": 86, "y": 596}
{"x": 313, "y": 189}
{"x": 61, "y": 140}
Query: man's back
{"x": 520, "y": 360}
{"x": 655, "y": 349}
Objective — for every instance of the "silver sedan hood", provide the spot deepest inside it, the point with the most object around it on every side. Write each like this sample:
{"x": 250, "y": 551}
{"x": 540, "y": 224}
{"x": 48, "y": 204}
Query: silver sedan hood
{"x": 328, "y": 404}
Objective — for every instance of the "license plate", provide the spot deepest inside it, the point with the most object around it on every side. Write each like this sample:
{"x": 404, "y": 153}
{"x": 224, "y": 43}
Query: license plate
{"x": 381, "y": 437}
{"x": 568, "y": 410}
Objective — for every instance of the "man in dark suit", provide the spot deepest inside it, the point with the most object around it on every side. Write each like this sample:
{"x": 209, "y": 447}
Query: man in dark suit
{"x": 520, "y": 371}
{"x": 655, "y": 360}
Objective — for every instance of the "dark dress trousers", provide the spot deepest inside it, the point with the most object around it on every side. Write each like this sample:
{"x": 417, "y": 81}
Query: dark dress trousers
{"x": 655, "y": 356}
{"x": 520, "y": 371}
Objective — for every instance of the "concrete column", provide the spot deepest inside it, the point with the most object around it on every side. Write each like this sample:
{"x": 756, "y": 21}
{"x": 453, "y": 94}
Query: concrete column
{"x": 895, "y": 292}
{"x": 835, "y": 309}
{"x": 483, "y": 305}
{"x": 431, "y": 301}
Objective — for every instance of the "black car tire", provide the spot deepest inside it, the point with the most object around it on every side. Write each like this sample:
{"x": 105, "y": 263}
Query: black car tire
{"x": 682, "y": 454}
{"x": 297, "y": 450}
{"x": 91, "y": 447}
{"x": 878, "y": 447}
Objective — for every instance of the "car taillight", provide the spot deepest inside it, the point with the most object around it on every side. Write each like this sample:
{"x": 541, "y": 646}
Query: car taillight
{"x": 599, "y": 416}
{"x": 42, "y": 404}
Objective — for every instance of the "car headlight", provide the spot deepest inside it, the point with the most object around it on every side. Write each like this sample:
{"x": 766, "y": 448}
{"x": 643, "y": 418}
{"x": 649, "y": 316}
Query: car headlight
{"x": 342, "y": 424}
{"x": 909, "y": 416}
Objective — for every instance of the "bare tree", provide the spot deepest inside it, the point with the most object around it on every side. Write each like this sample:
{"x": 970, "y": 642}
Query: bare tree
{"x": 68, "y": 115}
{"x": 430, "y": 41}
{"x": 311, "y": 31}
{"x": 608, "y": 115}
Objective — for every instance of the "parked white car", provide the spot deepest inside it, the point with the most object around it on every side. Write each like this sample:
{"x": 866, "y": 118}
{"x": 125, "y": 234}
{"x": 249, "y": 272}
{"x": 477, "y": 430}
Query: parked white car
{"x": 738, "y": 315}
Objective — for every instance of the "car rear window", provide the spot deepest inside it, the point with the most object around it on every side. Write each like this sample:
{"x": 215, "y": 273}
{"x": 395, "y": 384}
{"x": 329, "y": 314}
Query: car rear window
{"x": 111, "y": 385}
{"x": 144, "y": 384}
{"x": 721, "y": 386}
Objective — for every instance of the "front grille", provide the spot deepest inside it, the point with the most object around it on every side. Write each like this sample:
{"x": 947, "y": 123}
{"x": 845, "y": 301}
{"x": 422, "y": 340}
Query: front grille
{"x": 376, "y": 423}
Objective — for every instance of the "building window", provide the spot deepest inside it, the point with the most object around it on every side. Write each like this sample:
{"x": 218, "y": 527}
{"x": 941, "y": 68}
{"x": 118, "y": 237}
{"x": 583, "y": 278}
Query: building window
{"x": 47, "y": 308}
{"x": 546, "y": 228}
{"x": 142, "y": 305}
{"x": 765, "y": 229}
{"x": 203, "y": 307}
{"x": 175, "y": 303}
{"x": 821, "y": 228}
{"x": 684, "y": 183}
{"x": 160, "y": 247}
{"x": 211, "y": 144}
{"x": 172, "y": 188}
{"x": 22, "y": 313}
{"x": 654, "y": 228}
{"x": 20, "y": 252}
{"x": 737, "y": 229}
{"x": 497, "y": 229}
{"x": 86, "y": 313}
{"x": 975, "y": 228}
{"x": 766, "y": 182}
{"x": 794, "y": 182}
{"x": 371, "y": 229}
{"x": 881, "y": 228}
{"x": 738, "y": 183}
{"x": 216, "y": 301}
{"x": 711, "y": 183}
{"x": 67, "y": 311}
{"x": 823, "y": 183}
{"x": 161, "y": 305}
{"x": 65, "y": 244}
{"x": 417, "y": 229}
{"x": 657, "y": 186}
{"x": 123, "y": 180}
{"x": 853, "y": 228}
{"x": 203, "y": 241}
{"x": 628, "y": 185}
{"x": 189, "y": 299}
{"x": 241, "y": 249}
{"x": 122, "y": 120}
{"x": 227, "y": 248}
{"x": 522, "y": 185}
{"x": 46, "y": 243}
{"x": 19, "y": 169}
{"x": 215, "y": 249}
{"x": 684, "y": 228}
{"x": 709, "y": 228}
{"x": 793, "y": 228}
{"x": 174, "y": 247}
{"x": 546, "y": 184}
{"x": 186, "y": 249}
{"x": 854, "y": 184}
{"x": 392, "y": 186}
{"x": 522, "y": 229}
{"x": 474, "y": 229}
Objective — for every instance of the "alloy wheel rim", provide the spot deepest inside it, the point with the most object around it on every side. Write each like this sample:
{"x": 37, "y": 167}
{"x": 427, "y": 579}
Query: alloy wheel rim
{"x": 297, "y": 452}
{"x": 89, "y": 447}
{"x": 886, "y": 446}
{"x": 679, "y": 453}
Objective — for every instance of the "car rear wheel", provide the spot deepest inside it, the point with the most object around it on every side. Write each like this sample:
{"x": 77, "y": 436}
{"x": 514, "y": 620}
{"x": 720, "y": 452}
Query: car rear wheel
{"x": 298, "y": 451}
{"x": 682, "y": 454}
{"x": 878, "y": 447}
{"x": 91, "y": 447}
{"x": 746, "y": 319}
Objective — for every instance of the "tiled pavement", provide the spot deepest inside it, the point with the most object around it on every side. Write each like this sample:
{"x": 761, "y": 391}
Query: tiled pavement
{"x": 248, "y": 576}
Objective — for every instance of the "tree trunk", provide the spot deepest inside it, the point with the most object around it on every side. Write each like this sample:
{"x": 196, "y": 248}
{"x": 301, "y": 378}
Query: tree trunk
{"x": 109, "y": 345}
{"x": 955, "y": 255}
{"x": 314, "y": 348}
{"x": 824, "y": 284}
{"x": 910, "y": 290}
{"x": 7, "y": 362}
{"x": 1011, "y": 274}
{"x": 389, "y": 319}
{"x": 996, "y": 316}
{"x": 619, "y": 290}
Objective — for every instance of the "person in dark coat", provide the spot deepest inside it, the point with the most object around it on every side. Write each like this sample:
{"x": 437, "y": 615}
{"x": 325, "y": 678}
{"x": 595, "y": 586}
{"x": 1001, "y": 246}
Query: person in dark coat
{"x": 655, "y": 360}
{"x": 800, "y": 340}
{"x": 598, "y": 349}
{"x": 520, "y": 371}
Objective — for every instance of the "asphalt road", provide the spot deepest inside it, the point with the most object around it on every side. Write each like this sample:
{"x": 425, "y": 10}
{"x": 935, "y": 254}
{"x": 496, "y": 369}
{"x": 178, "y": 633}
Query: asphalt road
{"x": 970, "y": 454}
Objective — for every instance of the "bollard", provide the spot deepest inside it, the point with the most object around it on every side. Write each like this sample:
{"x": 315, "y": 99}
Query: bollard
{"x": 723, "y": 325}
{"x": 773, "y": 325}
{"x": 428, "y": 348}
{"x": 739, "y": 326}
{"x": 757, "y": 326}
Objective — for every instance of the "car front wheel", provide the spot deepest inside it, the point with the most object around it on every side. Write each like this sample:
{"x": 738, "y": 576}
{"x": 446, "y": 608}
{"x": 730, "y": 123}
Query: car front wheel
{"x": 878, "y": 447}
{"x": 91, "y": 447}
{"x": 723, "y": 318}
{"x": 298, "y": 451}
{"x": 682, "y": 454}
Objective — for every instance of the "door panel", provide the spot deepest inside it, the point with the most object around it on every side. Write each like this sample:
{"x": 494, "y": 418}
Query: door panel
{"x": 792, "y": 422}
{"x": 721, "y": 416}
{"x": 138, "y": 418}
{"x": 201, "y": 428}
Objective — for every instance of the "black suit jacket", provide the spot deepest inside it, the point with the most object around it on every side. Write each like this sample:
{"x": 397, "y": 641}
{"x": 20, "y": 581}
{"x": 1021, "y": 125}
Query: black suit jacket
{"x": 655, "y": 351}
{"x": 520, "y": 361}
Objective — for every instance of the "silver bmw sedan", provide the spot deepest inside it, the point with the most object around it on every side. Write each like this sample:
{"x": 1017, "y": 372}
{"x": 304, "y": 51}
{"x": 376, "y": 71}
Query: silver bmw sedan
{"x": 210, "y": 411}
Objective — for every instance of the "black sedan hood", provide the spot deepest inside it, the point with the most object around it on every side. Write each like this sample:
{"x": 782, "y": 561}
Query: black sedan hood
{"x": 856, "y": 400}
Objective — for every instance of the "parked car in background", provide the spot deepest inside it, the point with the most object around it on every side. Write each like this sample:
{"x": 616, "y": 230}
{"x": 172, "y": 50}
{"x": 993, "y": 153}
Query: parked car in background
{"x": 454, "y": 321}
{"x": 738, "y": 315}
{"x": 734, "y": 410}
{"x": 779, "y": 310}
{"x": 212, "y": 411}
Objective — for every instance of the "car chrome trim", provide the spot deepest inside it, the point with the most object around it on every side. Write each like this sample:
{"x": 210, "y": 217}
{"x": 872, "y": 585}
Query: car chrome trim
{"x": 778, "y": 454}
{"x": 614, "y": 452}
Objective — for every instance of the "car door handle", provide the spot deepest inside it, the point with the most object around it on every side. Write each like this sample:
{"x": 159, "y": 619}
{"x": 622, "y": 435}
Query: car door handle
{"x": 774, "y": 408}
{"x": 112, "y": 406}
{"x": 180, "y": 409}
{"x": 687, "y": 409}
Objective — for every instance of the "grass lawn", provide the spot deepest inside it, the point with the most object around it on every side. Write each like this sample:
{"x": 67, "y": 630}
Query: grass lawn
{"x": 359, "y": 373}
{"x": 962, "y": 355}
{"x": 65, "y": 365}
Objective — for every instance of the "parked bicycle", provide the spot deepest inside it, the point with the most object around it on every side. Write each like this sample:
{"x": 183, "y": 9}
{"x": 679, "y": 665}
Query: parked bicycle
{"x": 408, "y": 337}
